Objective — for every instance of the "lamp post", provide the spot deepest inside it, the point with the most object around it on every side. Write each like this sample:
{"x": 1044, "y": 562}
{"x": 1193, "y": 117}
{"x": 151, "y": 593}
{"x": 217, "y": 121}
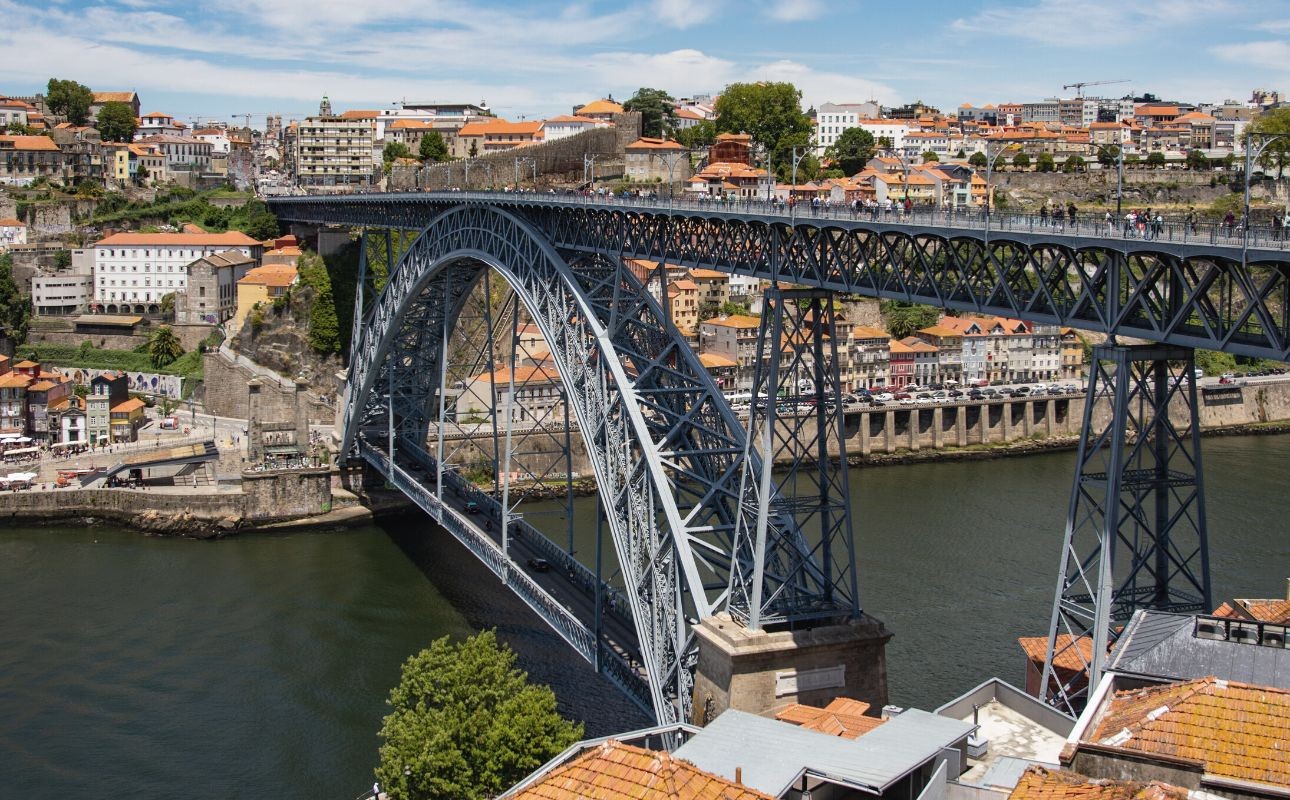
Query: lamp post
{"x": 1252, "y": 154}
{"x": 806, "y": 151}
{"x": 520, "y": 160}
{"x": 670, "y": 163}
{"x": 1119, "y": 172}
{"x": 989, "y": 190}
{"x": 589, "y": 168}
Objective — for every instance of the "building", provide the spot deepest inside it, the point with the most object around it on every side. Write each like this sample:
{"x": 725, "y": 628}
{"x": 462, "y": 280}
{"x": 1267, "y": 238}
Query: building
{"x": 562, "y": 127}
{"x": 147, "y": 162}
{"x": 949, "y": 345}
{"x": 13, "y": 403}
{"x": 183, "y": 153}
{"x": 538, "y": 393}
{"x": 901, "y": 363}
{"x": 735, "y": 337}
{"x": 335, "y": 151}
{"x": 683, "y": 305}
{"x": 82, "y": 150}
{"x": 1162, "y": 646}
{"x": 926, "y": 360}
{"x": 13, "y": 112}
{"x": 831, "y": 119}
{"x": 1039, "y": 782}
{"x": 714, "y": 287}
{"x": 116, "y": 163}
{"x": 12, "y": 231}
{"x": 868, "y": 358}
{"x": 493, "y": 136}
{"x": 157, "y": 123}
{"x": 211, "y": 294}
{"x": 731, "y": 180}
{"x": 261, "y": 285}
{"x": 1072, "y": 354}
{"x": 731, "y": 148}
{"x": 103, "y": 98}
{"x": 23, "y": 159}
{"x": 648, "y": 160}
{"x": 67, "y": 419}
{"x": 125, "y": 420}
{"x": 217, "y": 138}
{"x": 106, "y": 390}
{"x": 61, "y": 293}
{"x": 134, "y": 271}
{"x": 49, "y": 389}
{"x": 604, "y": 110}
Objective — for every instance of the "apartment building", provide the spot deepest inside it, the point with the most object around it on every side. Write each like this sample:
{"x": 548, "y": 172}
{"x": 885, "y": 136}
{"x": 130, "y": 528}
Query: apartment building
{"x": 335, "y": 151}
{"x": 134, "y": 271}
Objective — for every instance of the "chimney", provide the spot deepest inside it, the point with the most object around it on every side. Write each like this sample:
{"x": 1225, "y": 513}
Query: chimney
{"x": 1287, "y": 588}
{"x": 739, "y": 775}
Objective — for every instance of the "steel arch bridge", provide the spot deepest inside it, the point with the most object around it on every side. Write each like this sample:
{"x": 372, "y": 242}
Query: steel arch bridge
{"x": 676, "y": 471}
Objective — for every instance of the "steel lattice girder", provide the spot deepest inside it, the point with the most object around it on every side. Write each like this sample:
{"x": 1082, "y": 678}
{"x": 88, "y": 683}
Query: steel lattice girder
{"x": 664, "y": 444}
{"x": 1136, "y": 530}
{"x": 1188, "y": 295}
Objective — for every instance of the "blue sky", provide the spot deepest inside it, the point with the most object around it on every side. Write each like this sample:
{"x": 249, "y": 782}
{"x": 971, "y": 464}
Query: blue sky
{"x": 216, "y": 58}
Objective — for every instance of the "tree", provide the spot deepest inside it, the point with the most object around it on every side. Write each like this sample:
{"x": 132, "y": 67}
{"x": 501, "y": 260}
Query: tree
{"x": 466, "y": 724}
{"x": 15, "y": 309}
{"x": 324, "y": 327}
{"x": 62, "y": 259}
{"x": 168, "y": 305}
{"x": 885, "y": 143}
{"x": 1156, "y": 159}
{"x": 433, "y": 147}
{"x": 164, "y": 346}
{"x": 257, "y": 221}
{"x": 474, "y": 148}
{"x": 658, "y": 114}
{"x": 979, "y": 160}
{"x": 1196, "y": 160}
{"x": 782, "y": 155}
{"x": 1021, "y": 161}
{"x": 1131, "y": 159}
{"x": 1108, "y": 156}
{"x": 116, "y": 122}
{"x": 141, "y": 174}
{"x": 852, "y": 150}
{"x": 1276, "y": 120}
{"x": 69, "y": 99}
{"x": 770, "y": 112}
{"x": 393, "y": 151}
{"x": 905, "y": 318}
{"x": 1045, "y": 162}
{"x": 930, "y": 157}
{"x": 699, "y": 135}
{"x": 1074, "y": 164}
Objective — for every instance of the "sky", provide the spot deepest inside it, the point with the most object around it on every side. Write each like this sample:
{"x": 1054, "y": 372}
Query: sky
{"x": 212, "y": 59}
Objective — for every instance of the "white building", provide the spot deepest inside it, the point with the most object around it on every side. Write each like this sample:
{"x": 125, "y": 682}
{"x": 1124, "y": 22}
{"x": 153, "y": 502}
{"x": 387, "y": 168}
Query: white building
{"x": 831, "y": 119}
{"x": 158, "y": 124}
{"x": 182, "y": 152}
{"x": 12, "y": 112}
{"x": 61, "y": 293}
{"x": 216, "y": 137}
{"x": 335, "y": 151}
{"x": 12, "y": 231}
{"x": 565, "y": 126}
{"x": 134, "y": 271}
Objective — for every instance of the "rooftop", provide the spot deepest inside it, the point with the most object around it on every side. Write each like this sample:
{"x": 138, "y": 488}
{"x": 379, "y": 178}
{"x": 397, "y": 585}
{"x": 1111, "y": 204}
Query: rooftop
{"x": 228, "y": 238}
{"x": 1040, "y": 783}
{"x": 33, "y": 143}
{"x": 275, "y": 275}
{"x": 1158, "y": 644}
{"x": 1233, "y": 730}
{"x": 843, "y": 717}
{"x": 734, "y": 321}
{"x": 599, "y": 107}
{"x": 616, "y": 771}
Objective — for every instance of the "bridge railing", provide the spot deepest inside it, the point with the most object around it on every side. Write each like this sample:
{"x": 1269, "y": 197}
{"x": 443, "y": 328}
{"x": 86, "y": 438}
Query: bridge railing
{"x": 972, "y": 221}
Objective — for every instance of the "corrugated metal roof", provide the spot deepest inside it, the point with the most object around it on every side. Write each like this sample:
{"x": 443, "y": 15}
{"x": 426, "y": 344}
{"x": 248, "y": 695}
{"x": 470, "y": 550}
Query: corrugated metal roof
{"x": 1160, "y": 644}
{"x": 773, "y": 754}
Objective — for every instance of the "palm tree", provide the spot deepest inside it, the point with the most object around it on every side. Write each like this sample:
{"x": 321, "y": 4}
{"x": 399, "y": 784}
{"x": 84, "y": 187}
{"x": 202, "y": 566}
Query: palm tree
{"x": 164, "y": 347}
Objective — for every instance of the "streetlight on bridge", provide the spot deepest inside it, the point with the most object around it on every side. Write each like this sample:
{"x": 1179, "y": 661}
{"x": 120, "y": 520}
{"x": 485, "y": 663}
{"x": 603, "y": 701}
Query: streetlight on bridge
{"x": 806, "y": 151}
{"x": 1119, "y": 171}
{"x": 1252, "y": 154}
{"x": 520, "y": 160}
{"x": 989, "y": 189}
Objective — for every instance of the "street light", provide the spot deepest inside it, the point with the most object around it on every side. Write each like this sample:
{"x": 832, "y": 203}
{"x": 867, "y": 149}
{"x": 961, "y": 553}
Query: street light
{"x": 806, "y": 151}
{"x": 671, "y": 163}
{"x": 1119, "y": 172}
{"x": 1252, "y": 155}
{"x": 989, "y": 190}
{"x": 589, "y": 166}
{"x": 520, "y": 160}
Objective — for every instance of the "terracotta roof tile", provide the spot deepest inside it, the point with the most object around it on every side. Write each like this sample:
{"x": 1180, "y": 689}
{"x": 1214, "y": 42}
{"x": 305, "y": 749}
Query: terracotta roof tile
{"x": 1040, "y": 783}
{"x": 843, "y": 717}
{"x": 616, "y": 771}
{"x": 229, "y": 238}
{"x": 599, "y": 107}
{"x": 126, "y": 406}
{"x": 734, "y": 321}
{"x": 866, "y": 332}
{"x": 31, "y": 143}
{"x": 1234, "y": 730}
{"x": 1074, "y": 659}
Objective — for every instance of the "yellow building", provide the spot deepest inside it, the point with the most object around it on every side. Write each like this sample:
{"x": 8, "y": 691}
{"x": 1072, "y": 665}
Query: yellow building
{"x": 116, "y": 163}
{"x": 261, "y": 285}
{"x": 126, "y": 418}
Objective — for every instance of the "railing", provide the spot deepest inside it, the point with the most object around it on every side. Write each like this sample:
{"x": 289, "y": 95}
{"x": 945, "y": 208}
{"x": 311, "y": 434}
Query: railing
{"x": 971, "y": 221}
{"x": 550, "y": 610}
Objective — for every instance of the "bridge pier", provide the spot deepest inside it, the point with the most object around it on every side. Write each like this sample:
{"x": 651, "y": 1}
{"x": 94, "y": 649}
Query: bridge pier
{"x": 1136, "y": 533}
{"x": 760, "y": 671}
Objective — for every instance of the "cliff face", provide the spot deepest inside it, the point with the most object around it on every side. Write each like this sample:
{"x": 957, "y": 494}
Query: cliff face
{"x": 277, "y": 336}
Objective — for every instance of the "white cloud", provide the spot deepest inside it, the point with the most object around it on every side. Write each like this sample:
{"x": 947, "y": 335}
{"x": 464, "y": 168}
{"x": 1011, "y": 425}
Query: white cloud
{"x": 680, "y": 72}
{"x": 1256, "y": 54}
{"x": 1088, "y": 23}
{"x": 821, "y": 87}
{"x": 795, "y": 10}
{"x": 1275, "y": 26}
{"x": 686, "y": 13}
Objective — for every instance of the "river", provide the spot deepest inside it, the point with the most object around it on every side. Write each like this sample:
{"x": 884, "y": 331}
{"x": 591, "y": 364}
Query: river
{"x": 258, "y": 665}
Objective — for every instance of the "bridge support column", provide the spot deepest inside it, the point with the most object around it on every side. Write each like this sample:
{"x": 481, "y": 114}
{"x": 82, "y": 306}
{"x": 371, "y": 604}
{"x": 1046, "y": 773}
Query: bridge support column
{"x": 1050, "y": 411}
{"x": 759, "y": 670}
{"x": 1027, "y": 418}
{"x": 960, "y": 427}
{"x": 889, "y": 431}
{"x": 1135, "y": 531}
{"x": 938, "y": 438}
{"x": 1005, "y": 420}
{"x": 866, "y": 441}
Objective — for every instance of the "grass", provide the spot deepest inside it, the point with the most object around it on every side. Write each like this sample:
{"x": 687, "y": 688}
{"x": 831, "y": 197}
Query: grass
{"x": 188, "y": 366}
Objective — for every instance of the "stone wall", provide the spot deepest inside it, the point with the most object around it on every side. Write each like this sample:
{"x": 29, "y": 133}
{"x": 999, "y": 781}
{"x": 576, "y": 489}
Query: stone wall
{"x": 226, "y": 396}
{"x": 287, "y": 494}
{"x": 53, "y": 218}
{"x": 560, "y": 161}
{"x": 60, "y": 331}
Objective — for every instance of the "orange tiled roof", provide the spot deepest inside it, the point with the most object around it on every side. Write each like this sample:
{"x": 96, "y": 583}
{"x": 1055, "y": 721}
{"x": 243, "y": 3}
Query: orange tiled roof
{"x": 898, "y": 346}
{"x": 1276, "y": 611}
{"x": 616, "y": 771}
{"x": 31, "y": 142}
{"x": 406, "y": 124}
{"x": 26, "y": 363}
{"x": 1041, "y": 783}
{"x": 14, "y": 381}
{"x": 126, "y": 406}
{"x": 359, "y": 113}
{"x": 940, "y": 330}
{"x": 41, "y": 386}
{"x": 645, "y": 143}
{"x": 275, "y": 275}
{"x": 707, "y": 274}
{"x": 12, "y": 223}
{"x": 1074, "y": 659}
{"x": 498, "y": 127}
{"x": 522, "y": 375}
{"x": 843, "y": 717}
{"x": 234, "y": 238}
{"x": 866, "y": 332}
{"x": 114, "y": 97}
{"x": 599, "y": 107}
{"x": 715, "y": 360}
{"x": 1234, "y": 730}
{"x": 918, "y": 345}
{"x": 570, "y": 118}
{"x": 734, "y": 321}
{"x": 159, "y": 115}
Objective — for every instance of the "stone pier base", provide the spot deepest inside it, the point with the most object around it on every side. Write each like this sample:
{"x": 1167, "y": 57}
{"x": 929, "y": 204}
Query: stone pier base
{"x": 760, "y": 672}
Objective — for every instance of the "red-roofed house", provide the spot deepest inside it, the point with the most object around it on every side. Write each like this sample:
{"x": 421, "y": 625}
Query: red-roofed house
{"x": 12, "y": 231}
{"x": 25, "y": 158}
{"x": 494, "y": 135}
{"x": 134, "y": 271}
{"x": 537, "y": 393}
{"x": 657, "y": 160}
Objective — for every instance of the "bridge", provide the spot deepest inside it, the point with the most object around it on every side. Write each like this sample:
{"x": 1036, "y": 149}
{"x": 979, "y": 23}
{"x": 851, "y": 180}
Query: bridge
{"x": 699, "y": 526}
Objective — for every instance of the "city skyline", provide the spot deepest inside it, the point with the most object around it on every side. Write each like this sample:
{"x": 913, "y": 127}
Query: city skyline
{"x": 531, "y": 60}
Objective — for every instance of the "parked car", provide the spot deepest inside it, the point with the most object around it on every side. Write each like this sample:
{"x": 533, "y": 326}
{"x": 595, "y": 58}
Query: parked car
{"x": 539, "y": 565}
{"x": 990, "y": 393}
{"x": 884, "y": 397}
{"x": 904, "y": 395}
{"x": 907, "y": 401}
{"x": 955, "y": 394}
{"x": 975, "y": 394}
{"x": 1019, "y": 391}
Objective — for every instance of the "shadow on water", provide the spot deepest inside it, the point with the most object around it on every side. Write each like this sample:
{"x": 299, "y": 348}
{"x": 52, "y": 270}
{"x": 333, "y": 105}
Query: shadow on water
{"x": 481, "y": 598}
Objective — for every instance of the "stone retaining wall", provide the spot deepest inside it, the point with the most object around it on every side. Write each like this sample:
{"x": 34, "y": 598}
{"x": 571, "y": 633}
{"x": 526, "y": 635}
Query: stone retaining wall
{"x": 226, "y": 395}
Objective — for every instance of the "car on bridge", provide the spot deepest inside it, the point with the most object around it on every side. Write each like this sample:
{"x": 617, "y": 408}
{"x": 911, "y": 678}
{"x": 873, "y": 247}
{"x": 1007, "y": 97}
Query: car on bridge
{"x": 539, "y": 565}
{"x": 471, "y": 507}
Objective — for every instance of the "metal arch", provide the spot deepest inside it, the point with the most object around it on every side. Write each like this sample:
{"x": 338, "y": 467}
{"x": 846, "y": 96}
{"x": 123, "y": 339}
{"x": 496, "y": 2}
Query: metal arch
{"x": 658, "y": 432}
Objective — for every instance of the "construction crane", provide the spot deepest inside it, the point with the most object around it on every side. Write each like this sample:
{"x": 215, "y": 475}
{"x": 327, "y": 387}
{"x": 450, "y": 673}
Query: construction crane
{"x": 1078, "y": 86}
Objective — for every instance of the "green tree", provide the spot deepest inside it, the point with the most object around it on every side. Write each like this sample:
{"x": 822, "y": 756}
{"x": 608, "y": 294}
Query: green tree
{"x": 770, "y": 112}
{"x": 116, "y": 122}
{"x": 256, "y": 220}
{"x": 930, "y": 157}
{"x": 164, "y": 346}
{"x": 852, "y": 150}
{"x": 699, "y": 135}
{"x": 1196, "y": 160}
{"x": 69, "y": 99}
{"x": 807, "y": 167}
{"x": 1074, "y": 164}
{"x": 466, "y": 724}
{"x": 141, "y": 174}
{"x": 1045, "y": 162}
{"x": 433, "y": 147}
{"x": 1156, "y": 159}
{"x": 885, "y": 143}
{"x": 904, "y": 318}
{"x": 324, "y": 326}
{"x": 978, "y": 160}
{"x": 657, "y": 110}
{"x": 15, "y": 309}
{"x": 393, "y": 151}
{"x": 62, "y": 259}
{"x": 168, "y": 305}
{"x": 1021, "y": 161}
{"x": 474, "y": 148}
{"x": 1276, "y": 120}
{"x": 1108, "y": 156}
{"x": 1131, "y": 159}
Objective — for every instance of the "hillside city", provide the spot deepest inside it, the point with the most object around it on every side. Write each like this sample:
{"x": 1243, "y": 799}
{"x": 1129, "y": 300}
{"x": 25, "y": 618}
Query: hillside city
{"x": 149, "y": 299}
